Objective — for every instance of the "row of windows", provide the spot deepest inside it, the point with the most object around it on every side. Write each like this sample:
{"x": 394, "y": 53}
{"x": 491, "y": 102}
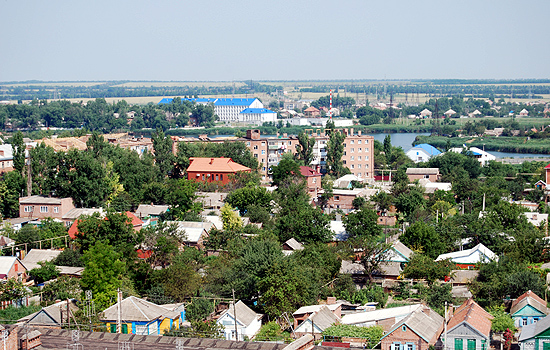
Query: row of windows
{"x": 358, "y": 158}
{"x": 358, "y": 166}
{"x": 358, "y": 142}
{"x": 218, "y": 177}
{"x": 359, "y": 150}
{"x": 43, "y": 209}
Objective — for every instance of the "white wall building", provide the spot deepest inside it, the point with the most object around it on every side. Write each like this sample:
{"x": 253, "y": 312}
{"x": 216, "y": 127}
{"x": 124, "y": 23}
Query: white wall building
{"x": 482, "y": 156}
{"x": 248, "y": 322}
{"x": 227, "y": 109}
{"x": 257, "y": 116}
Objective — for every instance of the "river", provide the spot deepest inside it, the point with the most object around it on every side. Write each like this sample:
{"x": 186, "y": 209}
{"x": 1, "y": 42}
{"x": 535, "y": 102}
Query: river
{"x": 405, "y": 140}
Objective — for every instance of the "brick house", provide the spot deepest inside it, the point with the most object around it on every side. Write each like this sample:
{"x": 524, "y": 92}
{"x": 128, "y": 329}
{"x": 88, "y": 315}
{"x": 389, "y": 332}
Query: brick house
{"x": 313, "y": 180}
{"x": 12, "y": 267}
{"x": 44, "y": 207}
{"x": 213, "y": 169}
{"x": 431, "y": 174}
{"x": 417, "y": 331}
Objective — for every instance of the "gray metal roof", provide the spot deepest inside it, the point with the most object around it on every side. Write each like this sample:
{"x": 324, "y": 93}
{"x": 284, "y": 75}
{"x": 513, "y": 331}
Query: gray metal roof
{"x": 75, "y": 213}
{"x": 35, "y": 256}
{"x": 422, "y": 171}
{"x": 424, "y": 321}
{"x": 39, "y": 200}
{"x": 136, "y": 309}
{"x": 531, "y": 330}
{"x": 145, "y": 210}
{"x": 245, "y": 315}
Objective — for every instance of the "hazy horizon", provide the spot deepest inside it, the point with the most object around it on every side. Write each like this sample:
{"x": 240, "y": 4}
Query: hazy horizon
{"x": 273, "y": 41}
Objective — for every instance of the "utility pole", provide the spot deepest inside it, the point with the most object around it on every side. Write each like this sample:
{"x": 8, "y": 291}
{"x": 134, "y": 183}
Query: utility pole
{"x": 119, "y": 312}
{"x": 235, "y": 316}
{"x": 445, "y": 343}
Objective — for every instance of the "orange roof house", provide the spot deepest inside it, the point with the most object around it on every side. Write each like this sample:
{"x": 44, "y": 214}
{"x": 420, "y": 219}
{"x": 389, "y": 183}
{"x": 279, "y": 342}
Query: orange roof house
{"x": 213, "y": 169}
{"x": 313, "y": 178}
{"x": 312, "y": 112}
{"x": 469, "y": 327}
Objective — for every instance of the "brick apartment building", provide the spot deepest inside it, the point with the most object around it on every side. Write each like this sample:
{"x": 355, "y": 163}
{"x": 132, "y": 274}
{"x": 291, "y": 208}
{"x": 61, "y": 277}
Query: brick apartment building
{"x": 44, "y": 207}
{"x": 358, "y": 150}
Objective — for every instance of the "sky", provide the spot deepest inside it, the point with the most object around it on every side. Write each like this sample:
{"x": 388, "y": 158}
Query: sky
{"x": 234, "y": 40}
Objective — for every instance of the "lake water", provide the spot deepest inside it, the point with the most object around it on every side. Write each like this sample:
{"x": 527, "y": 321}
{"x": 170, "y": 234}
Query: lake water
{"x": 405, "y": 140}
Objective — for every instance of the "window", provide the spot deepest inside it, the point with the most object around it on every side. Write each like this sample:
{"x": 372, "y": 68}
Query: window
{"x": 458, "y": 344}
{"x": 410, "y": 346}
{"x": 352, "y": 158}
{"x": 524, "y": 321}
{"x": 290, "y": 143}
{"x": 221, "y": 177}
{"x": 359, "y": 158}
{"x": 255, "y": 146}
{"x": 352, "y": 166}
{"x": 28, "y": 209}
{"x": 314, "y": 180}
{"x": 263, "y": 151}
{"x": 359, "y": 150}
{"x": 336, "y": 198}
{"x": 359, "y": 141}
{"x": 248, "y": 143}
{"x": 344, "y": 162}
{"x": 345, "y": 145}
{"x": 351, "y": 142}
{"x": 56, "y": 209}
{"x": 359, "y": 166}
{"x": 471, "y": 344}
{"x": 43, "y": 209}
{"x": 263, "y": 143}
{"x": 404, "y": 328}
{"x": 352, "y": 150}
{"x": 217, "y": 177}
{"x": 255, "y": 155}
{"x": 202, "y": 177}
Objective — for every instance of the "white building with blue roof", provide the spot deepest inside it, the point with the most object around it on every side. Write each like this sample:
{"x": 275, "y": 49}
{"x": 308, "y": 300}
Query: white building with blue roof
{"x": 227, "y": 109}
{"x": 422, "y": 153}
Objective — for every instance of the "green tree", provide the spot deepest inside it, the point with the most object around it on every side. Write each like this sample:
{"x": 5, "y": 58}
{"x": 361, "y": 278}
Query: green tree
{"x": 502, "y": 320}
{"x": 69, "y": 257}
{"x": 335, "y": 151}
{"x": 13, "y": 290}
{"x": 422, "y": 266}
{"x": 287, "y": 168}
{"x": 199, "y": 309}
{"x": 421, "y": 236}
{"x": 304, "y": 149}
{"x": 46, "y": 272}
{"x": 362, "y": 222}
{"x": 204, "y": 115}
{"x": 103, "y": 273}
{"x": 181, "y": 279}
{"x": 231, "y": 221}
{"x": 18, "y": 147}
{"x": 164, "y": 158}
{"x": 244, "y": 197}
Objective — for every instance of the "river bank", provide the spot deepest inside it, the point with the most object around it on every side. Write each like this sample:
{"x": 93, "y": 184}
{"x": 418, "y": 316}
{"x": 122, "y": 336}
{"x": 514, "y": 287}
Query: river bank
{"x": 510, "y": 144}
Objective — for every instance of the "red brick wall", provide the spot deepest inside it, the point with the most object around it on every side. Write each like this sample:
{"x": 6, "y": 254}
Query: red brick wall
{"x": 403, "y": 337}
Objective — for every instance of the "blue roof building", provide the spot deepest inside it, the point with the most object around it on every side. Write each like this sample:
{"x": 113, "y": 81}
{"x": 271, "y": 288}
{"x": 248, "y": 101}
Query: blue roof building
{"x": 227, "y": 109}
{"x": 257, "y": 116}
{"x": 422, "y": 153}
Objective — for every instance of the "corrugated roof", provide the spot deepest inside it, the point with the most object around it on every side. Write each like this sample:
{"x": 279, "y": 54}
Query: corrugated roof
{"x": 422, "y": 171}
{"x": 39, "y": 200}
{"x": 533, "y": 329}
{"x": 35, "y": 256}
{"x": 470, "y": 256}
{"x": 294, "y": 244}
{"x": 135, "y": 309}
{"x": 314, "y": 308}
{"x": 474, "y": 315}
{"x": 380, "y": 314}
{"x": 145, "y": 210}
{"x": 529, "y": 298}
{"x": 256, "y": 111}
{"x": 192, "y": 230}
{"x": 221, "y": 165}
{"x": 324, "y": 318}
{"x": 245, "y": 315}
{"x": 75, "y": 213}
{"x": 425, "y": 322}
{"x": 234, "y": 101}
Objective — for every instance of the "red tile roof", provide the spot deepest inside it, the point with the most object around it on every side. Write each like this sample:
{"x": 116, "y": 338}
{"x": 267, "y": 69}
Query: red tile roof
{"x": 528, "y": 294}
{"x": 135, "y": 220}
{"x": 219, "y": 165}
{"x": 144, "y": 254}
{"x": 473, "y": 314}
{"x": 307, "y": 171}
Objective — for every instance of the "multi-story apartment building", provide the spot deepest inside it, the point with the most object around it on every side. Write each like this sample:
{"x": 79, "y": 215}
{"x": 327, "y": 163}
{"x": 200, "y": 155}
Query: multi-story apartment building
{"x": 358, "y": 151}
{"x": 357, "y": 157}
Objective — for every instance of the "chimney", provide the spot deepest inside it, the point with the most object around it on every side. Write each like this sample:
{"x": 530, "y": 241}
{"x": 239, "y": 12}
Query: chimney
{"x": 351, "y": 131}
{"x": 359, "y": 132}
{"x": 211, "y": 160}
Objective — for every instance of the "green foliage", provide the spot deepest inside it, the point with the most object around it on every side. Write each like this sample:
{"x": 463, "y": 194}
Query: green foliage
{"x": 244, "y": 197}
{"x": 423, "y": 237}
{"x": 13, "y": 290}
{"x": 373, "y": 334}
{"x": 362, "y": 222}
{"x": 335, "y": 151}
{"x": 304, "y": 149}
{"x": 287, "y": 168}
{"x": 11, "y": 314}
{"x": 164, "y": 158}
{"x": 271, "y": 331}
{"x": 102, "y": 273}
{"x": 46, "y": 272}
{"x": 115, "y": 229}
{"x": 369, "y": 294}
{"x": 61, "y": 289}
{"x": 422, "y": 266}
{"x": 436, "y": 295}
{"x": 231, "y": 220}
{"x": 69, "y": 257}
{"x": 502, "y": 320}
{"x": 199, "y": 309}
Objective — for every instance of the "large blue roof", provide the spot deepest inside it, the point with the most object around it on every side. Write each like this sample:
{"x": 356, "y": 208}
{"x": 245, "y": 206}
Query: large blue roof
{"x": 429, "y": 149}
{"x": 234, "y": 101}
{"x": 256, "y": 110}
